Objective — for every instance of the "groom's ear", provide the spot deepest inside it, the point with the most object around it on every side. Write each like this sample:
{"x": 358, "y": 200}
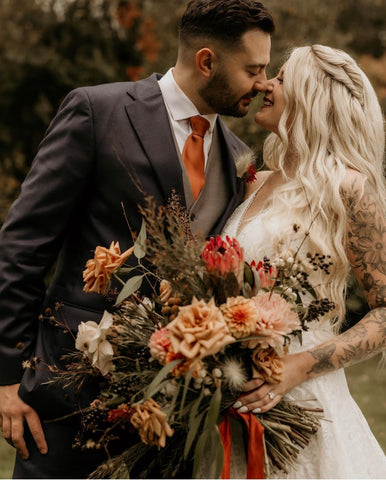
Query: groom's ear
{"x": 204, "y": 61}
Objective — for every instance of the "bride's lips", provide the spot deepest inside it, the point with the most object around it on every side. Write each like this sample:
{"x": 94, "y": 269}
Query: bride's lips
{"x": 267, "y": 103}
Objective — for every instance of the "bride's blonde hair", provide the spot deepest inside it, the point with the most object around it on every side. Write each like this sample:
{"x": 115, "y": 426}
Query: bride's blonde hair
{"x": 332, "y": 121}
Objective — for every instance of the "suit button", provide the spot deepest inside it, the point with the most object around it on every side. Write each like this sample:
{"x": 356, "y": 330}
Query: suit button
{"x": 192, "y": 217}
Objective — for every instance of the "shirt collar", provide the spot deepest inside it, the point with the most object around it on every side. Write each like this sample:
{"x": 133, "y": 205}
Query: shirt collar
{"x": 179, "y": 105}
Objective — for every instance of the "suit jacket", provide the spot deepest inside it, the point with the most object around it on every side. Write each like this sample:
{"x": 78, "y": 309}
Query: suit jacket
{"x": 102, "y": 140}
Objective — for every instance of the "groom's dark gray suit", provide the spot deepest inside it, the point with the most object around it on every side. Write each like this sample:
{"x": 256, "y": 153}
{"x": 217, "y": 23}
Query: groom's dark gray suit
{"x": 101, "y": 140}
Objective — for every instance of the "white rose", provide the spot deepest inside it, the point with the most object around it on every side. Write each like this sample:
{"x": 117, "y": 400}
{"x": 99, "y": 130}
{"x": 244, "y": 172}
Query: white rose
{"x": 91, "y": 339}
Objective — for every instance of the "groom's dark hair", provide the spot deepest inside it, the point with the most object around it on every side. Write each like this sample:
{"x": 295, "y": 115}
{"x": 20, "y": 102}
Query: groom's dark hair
{"x": 223, "y": 20}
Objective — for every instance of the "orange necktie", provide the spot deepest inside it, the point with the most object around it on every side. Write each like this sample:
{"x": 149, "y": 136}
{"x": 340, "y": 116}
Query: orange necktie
{"x": 193, "y": 154}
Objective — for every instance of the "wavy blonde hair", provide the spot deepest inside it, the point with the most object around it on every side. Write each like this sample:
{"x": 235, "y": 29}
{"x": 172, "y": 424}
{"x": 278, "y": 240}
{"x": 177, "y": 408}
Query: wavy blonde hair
{"x": 332, "y": 122}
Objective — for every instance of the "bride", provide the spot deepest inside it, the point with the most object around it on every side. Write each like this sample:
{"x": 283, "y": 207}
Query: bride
{"x": 325, "y": 185}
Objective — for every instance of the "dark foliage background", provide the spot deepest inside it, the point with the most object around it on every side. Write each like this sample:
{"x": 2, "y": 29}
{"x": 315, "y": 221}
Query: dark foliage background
{"x": 48, "y": 47}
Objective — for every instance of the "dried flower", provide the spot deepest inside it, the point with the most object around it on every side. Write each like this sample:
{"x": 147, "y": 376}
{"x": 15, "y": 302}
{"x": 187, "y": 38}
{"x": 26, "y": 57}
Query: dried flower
{"x": 241, "y": 316}
{"x": 222, "y": 257}
{"x": 245, "y": 166}
{"x": 91, "y": 340}
{"x": 122, "y": 413}
{"x": 150, "y": 421}
{"x": 276, "y": 320}
{"x": 199, "y": 330}
{"x": 100, "y": 268}
{"x": 267, "y": 364}
{"x": 160, "y": 344}
{"x": 165, "y": 290}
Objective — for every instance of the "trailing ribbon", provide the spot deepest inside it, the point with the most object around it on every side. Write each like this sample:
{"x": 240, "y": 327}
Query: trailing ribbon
{"x": 255, "y": 467}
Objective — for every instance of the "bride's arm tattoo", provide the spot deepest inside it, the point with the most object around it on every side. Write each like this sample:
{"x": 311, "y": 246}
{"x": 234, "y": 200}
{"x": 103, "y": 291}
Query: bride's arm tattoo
{"x": 362, "y": 341}
{"x": 366, "y": 233}
{"x": 323, "y": 356}
{"x": 366, "y": 242}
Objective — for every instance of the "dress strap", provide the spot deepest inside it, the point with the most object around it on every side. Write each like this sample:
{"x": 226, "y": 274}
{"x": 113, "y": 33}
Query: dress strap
{"x": 249, "y": 202}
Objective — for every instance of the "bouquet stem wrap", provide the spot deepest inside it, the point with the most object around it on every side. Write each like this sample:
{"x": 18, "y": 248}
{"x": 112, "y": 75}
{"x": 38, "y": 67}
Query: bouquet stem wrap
{"x": 255, "y": 468}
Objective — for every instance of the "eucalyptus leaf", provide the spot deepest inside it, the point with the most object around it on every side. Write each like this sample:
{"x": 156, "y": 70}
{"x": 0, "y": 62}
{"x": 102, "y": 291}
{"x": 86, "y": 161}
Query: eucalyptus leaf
{"x": 140, "y": 243}
{"x": 130, "y": 287}
{"x": 214, "y": 451}
{"x": 174, "y": 400}
{"x": 209, "y": 456}
{"x": 207, "y": 436}
{"x": 193, "y": 425}
{"x": 201, "y": 447}
{"x": 185, "y": 391}
{"x": 218, "y": 454}
{"x": 126, "y": 270}
{"x": 214, "y": 410}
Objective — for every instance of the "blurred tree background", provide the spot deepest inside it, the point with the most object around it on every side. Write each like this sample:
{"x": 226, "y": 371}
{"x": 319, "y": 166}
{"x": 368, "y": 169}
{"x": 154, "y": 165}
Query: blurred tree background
{"x": 48, "y": 47}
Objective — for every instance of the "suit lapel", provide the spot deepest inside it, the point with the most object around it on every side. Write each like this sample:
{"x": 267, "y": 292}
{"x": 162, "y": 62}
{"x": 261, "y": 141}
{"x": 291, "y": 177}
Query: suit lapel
{"x": 148, "y": 117}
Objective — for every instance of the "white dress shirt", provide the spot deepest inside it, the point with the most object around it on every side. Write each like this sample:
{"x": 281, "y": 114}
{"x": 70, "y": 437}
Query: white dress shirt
{"x": 180, "y": 109}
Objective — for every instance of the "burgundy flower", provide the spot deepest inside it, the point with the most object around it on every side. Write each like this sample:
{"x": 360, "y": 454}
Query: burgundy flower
{"x": 122, "y": 413}
{"x": 250, "y": 174}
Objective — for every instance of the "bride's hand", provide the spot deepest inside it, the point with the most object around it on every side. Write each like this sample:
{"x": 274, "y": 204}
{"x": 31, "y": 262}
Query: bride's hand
{"x": 260, "y": 396}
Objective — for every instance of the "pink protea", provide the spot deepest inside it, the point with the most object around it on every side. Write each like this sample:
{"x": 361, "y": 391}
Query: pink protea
{"x": 224, "y": 256}
{"x": 160, "y": 345}
{"x": 267, "y": 276}
{"x": 276, "y": 319}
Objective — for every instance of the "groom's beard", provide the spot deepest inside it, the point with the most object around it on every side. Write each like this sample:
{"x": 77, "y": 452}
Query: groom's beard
{"x": 221, "y": 98}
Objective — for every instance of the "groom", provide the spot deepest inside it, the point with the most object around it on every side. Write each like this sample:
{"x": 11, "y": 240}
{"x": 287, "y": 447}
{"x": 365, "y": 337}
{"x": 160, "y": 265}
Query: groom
{"x": 104, "y": 142}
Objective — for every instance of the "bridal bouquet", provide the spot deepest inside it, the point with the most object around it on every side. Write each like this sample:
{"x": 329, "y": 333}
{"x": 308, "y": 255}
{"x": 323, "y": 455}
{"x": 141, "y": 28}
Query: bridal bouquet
{"x": 171, "y": 365}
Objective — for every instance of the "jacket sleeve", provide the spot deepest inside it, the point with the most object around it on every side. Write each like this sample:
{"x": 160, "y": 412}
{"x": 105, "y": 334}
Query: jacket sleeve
{"x": 36, "y": 224}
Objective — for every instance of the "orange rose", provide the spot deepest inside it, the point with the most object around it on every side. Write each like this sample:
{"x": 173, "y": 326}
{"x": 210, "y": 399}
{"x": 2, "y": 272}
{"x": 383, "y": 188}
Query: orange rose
{"x": 241, "y": 315}
{"x": 267, "y": 364}
{"x": 199, "y": 330}
{"x": 100, "y": 268}
{"x": 150, "y": 421}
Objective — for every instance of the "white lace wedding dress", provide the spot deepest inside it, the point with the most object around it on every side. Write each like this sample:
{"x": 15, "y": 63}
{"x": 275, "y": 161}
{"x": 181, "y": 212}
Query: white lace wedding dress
{"x": 344, "y": 446}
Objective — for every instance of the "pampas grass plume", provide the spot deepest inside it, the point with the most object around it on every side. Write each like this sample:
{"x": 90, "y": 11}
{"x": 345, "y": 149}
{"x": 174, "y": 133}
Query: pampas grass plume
{"x": 234, "y": 374}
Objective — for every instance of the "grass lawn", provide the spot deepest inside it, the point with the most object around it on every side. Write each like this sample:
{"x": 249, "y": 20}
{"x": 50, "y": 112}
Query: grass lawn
{"x": 6, "y": 459}
{"x": 367, "y": 386}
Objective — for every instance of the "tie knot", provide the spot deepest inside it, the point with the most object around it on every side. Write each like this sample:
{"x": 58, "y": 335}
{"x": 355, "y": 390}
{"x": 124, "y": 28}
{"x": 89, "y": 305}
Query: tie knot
{"x": 199, "y": 125}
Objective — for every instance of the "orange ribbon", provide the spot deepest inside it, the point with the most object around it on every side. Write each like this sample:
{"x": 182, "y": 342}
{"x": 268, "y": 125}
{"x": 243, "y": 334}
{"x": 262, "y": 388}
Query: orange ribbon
{"x": 255, "y": 467}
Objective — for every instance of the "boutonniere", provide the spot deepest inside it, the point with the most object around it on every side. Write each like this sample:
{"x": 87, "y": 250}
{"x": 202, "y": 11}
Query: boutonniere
{"x": 245, "y": 166}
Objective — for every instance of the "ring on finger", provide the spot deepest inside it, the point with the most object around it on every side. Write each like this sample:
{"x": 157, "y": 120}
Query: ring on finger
{"x": 271, "y": 395}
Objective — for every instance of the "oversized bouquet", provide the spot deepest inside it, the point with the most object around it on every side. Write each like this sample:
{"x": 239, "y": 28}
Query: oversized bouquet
{"x": 171, "y": 365}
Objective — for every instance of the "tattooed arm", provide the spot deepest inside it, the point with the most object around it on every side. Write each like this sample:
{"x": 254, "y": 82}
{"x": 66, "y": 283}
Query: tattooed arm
{"x": 366, "y": 251}
{"x": 365, "y": 248}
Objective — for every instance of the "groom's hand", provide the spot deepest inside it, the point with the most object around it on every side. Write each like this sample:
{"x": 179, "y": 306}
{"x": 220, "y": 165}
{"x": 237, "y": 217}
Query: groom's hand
{"x": 13, "y": 413}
